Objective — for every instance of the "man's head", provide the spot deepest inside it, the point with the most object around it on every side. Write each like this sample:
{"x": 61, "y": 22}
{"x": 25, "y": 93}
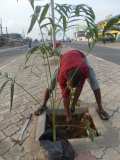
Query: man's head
{"x": 74, "y": 78}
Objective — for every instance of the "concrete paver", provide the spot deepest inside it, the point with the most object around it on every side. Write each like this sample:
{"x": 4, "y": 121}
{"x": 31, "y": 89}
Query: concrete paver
{"x": 85, "y": 156}
{"x": 108, "y": 75}
{"x": 111, "y": 154}
{"x": 98, "y": 153}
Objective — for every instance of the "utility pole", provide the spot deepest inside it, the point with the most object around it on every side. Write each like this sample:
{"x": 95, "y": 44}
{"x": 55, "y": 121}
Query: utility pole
{"x": 53, "y": 18}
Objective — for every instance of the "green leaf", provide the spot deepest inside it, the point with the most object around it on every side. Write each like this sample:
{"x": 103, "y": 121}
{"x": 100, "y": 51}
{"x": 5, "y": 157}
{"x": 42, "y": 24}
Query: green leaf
{"x": 43, "y": 14}
{"x": 46, "y": 50}
{"x": 32, "y": 3}
{"x": 112, "y": 22}
{"x": 45, "y": 25}
{"x": 92, "y": 33}
{"x": 62, "y": 9}
{"x": 30, "y": 53}
{"x": 12, "y": 93}
{"x": 5, "y": 74}
{"x": 88, "y": 10}
{"x": 3, "y": 85}
{"x": 64, "y": 23}
{"x": 77, "y": 12}
{"x": 82, "y": 8}
{"x": 91, "y": 133}
{"x": 34, "y": 18}
{"x": 55, "y": 26}
{"x": 59, "y": 12}
{"x": 51, "y": 22}
{"x": 75, "y": 20}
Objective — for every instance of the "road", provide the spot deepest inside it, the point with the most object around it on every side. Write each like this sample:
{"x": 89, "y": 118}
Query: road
{"x": 110, "y": 54}
{"x": 10, "y": 54}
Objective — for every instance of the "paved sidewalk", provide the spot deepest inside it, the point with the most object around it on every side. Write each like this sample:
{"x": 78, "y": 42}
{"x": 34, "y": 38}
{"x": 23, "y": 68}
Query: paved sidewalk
{"x": 108, "y": 75}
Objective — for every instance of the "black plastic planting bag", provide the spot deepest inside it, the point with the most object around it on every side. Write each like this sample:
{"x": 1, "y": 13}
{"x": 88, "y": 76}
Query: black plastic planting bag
{"x": 59, "y": 150}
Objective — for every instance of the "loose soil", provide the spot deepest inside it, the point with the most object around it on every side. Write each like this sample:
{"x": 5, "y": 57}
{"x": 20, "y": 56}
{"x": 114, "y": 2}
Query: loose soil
{"x": 75, "y": 129}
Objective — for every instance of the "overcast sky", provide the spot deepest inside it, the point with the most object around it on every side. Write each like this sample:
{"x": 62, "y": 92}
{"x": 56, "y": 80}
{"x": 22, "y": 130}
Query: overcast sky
{"x": 16, "y": 16}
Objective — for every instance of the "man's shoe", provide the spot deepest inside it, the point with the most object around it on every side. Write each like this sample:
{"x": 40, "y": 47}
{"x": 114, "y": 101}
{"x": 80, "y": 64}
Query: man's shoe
{"x": 103, "y": 114}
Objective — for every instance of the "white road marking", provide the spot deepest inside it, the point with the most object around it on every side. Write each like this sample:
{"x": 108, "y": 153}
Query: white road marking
{"x": 101, "y": 59}
{"x": 8, "y": 64}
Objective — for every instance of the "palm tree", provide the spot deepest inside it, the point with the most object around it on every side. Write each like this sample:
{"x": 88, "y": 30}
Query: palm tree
{"x": 112, "y": 24}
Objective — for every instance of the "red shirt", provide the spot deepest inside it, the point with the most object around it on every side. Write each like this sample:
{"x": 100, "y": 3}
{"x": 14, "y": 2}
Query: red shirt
{"x": 69, "y": 60}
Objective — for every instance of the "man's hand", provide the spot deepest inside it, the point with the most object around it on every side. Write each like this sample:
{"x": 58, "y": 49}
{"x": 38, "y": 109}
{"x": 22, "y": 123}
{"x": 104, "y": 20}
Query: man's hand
{"x": 40, "y": 110}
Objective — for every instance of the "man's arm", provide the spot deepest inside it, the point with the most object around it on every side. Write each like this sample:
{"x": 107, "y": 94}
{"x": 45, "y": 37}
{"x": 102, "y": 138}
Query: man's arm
{"x": 95, "y": 86}
{"x": 96, "y": 90}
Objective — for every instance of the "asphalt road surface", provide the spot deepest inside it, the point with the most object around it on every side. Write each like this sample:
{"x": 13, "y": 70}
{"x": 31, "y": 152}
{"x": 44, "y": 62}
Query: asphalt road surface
{"x": 110, "y": 54}
{"x": 10, "y": 54}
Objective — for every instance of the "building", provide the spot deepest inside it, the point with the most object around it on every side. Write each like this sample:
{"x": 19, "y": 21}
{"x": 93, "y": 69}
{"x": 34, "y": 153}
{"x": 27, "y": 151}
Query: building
{"x": 80, "y": 35}
{"x": 113, "y": 32}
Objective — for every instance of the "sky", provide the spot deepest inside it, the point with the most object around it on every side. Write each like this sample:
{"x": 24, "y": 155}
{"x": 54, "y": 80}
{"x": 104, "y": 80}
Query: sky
{"x": 16, "y": 15}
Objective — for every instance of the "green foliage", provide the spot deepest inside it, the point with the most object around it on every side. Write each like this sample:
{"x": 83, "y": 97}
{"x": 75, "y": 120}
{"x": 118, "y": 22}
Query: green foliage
{"x": 30, "y": 53}
{"x": 72, "y": 15}
{"x": 3, "y": 85}
{"x": 92, "y": 34}
{"x": 32, "y": 3}
{"x": 67, "y": 17}
{"x": 44, "y": 50}
{"x": 34, "y": 18}
{"x": 8, "y": 78}
{"x": 112, "y": 24}
{"x": 43, "y": 13}
{"x": 12, "y": 93}
{"x": 91, "y": 133}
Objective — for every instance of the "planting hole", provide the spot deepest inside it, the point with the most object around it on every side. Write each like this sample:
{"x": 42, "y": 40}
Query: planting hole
{"x": 81, "y": 125}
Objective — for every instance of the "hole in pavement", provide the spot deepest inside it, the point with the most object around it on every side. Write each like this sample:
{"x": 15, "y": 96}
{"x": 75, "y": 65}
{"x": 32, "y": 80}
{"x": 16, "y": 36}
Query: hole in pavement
{"x": 80, "y": 126}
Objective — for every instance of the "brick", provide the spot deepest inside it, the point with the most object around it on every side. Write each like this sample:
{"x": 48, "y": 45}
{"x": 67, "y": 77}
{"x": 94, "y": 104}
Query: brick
{"x": 9, "y": 131}
{"x": 13, "y": 154}
{"x": 85, "y": 156}
{"x": 1, "y": 158}
{"x": 5, "y": 146}
{"x": 2, "y": 136}
{"x": 116, "y": 120}
{"x": 98, "y": 152}
{"x": 4, "y": 124}
{"x": 111, "y": 154}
